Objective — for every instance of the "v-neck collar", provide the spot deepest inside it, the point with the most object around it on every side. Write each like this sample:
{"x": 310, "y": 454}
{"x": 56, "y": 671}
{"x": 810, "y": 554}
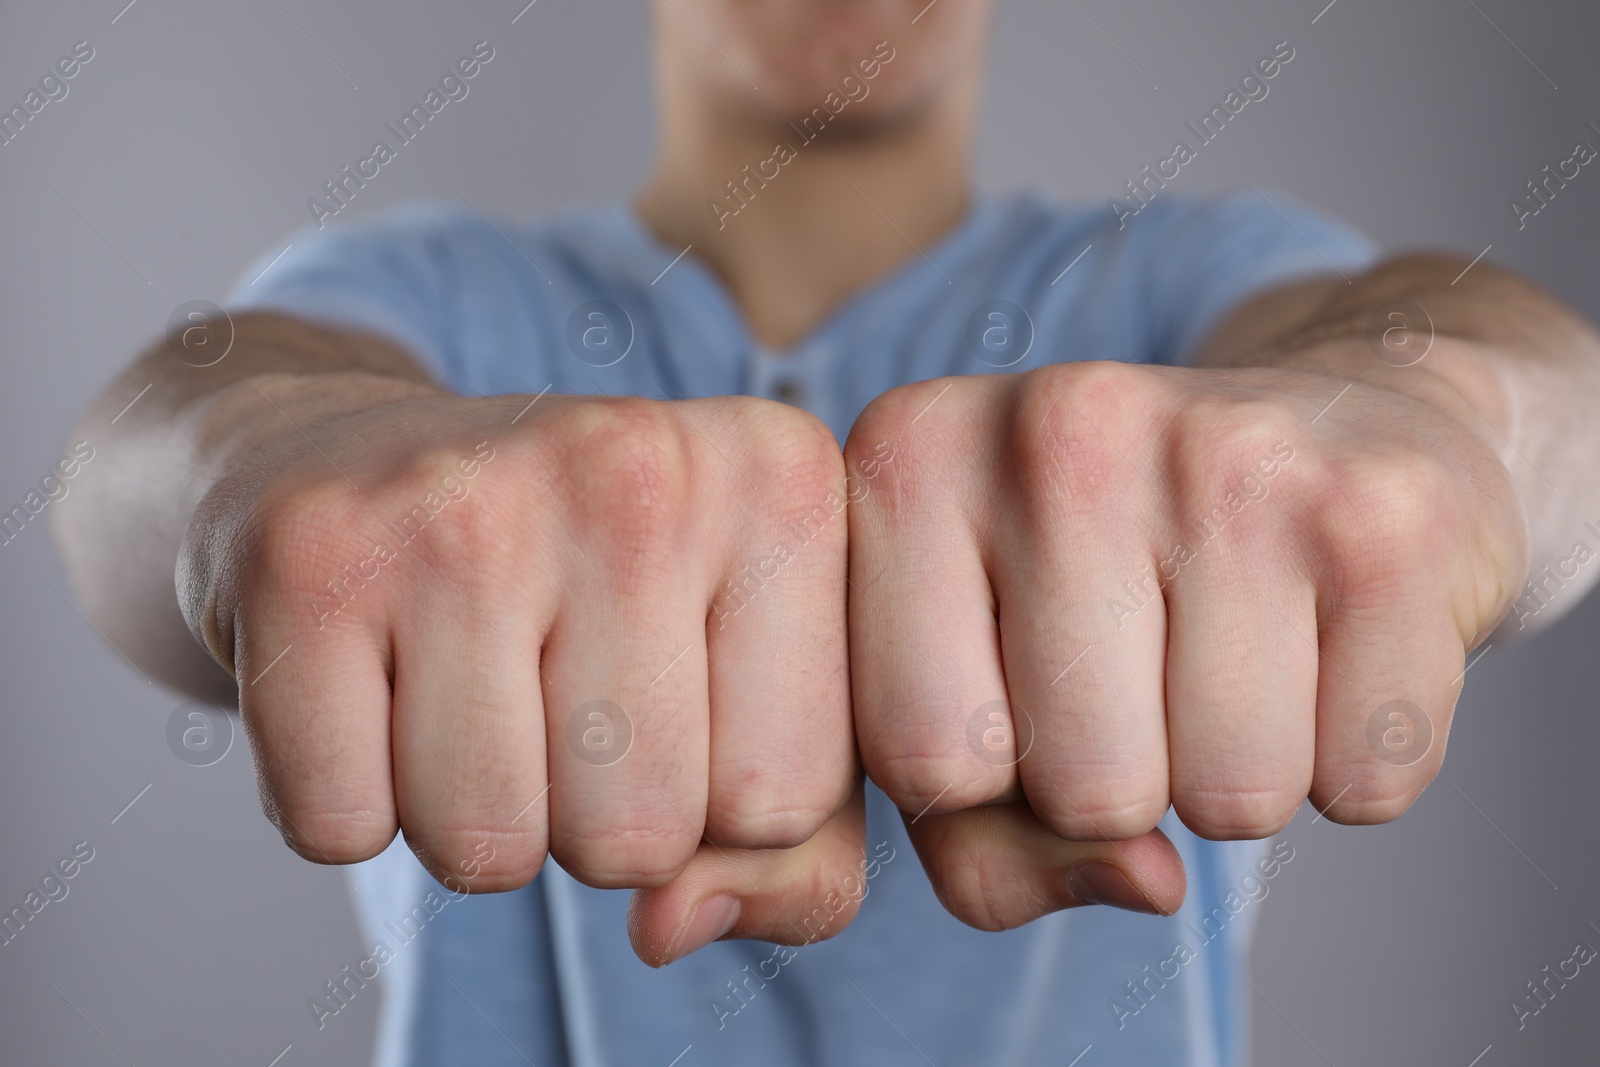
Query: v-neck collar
{"x": 687, "y": 281}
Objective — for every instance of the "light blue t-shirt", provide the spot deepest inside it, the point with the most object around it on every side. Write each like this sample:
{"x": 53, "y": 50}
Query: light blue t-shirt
{"x": 592, "y": 302}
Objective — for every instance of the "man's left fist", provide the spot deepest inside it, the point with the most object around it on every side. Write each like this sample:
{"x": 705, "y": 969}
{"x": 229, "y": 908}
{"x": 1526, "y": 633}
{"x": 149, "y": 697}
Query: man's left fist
{"x": 1085, "y": 593}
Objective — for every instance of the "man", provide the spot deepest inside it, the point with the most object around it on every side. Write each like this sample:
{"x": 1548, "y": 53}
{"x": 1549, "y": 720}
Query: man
{"x": 1124, "y": 558}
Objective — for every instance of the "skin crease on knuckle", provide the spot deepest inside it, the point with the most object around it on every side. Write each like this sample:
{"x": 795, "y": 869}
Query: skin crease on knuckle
{"x": 1119, "y": 813}
{"x": 916, "y": 426}
{"x": 949, "y": 781}
{"x": 1222, "y": 814}
{"x": 762, "y": 825}
{"x": 1059, "y": 459}
{"x": 628, "y": 470}
{"x": 486, "y": 861}
{"x": 327, "y": 836}
{"x": 1374, "y": 793}
{"x": 623, "y": 857}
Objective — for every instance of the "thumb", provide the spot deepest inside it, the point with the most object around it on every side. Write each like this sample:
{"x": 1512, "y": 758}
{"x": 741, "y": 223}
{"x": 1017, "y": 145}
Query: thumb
{"x": 997, "y": 866}
{"x": 786, "y": 896}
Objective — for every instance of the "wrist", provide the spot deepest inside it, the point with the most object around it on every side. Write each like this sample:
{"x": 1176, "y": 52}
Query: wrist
{"x": 1458, "y": 377}
{"x": 277, "y": 412}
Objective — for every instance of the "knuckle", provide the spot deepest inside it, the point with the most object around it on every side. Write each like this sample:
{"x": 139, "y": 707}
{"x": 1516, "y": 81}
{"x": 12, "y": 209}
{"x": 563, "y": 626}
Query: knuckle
{"x": 799, "y": 463}
{"x": 1094, "y": 387}
{"x": 1055, "y": 443}
{"x": 1372, "y": 802}
{"x": 936, "y": 782}
{"x": 334, "y": 837}
{"x": 297, "y": 533}
{"x": 618, "y": 856}
{"x": 1230, "y": 427}
{"x": 1103, "y": 818}
{"x": 755, "y": 822}
{"x": 1227, "y": 443}
{"x": 755, "y": 803}
{"x": 1222, "y": 814}
{"x": 804, "y": 465}
{"x": 878, "y": 452}
{"x": 629, "y": 465}
{"x": 480, "y": 860}
{"x": 891, "y": 413}
{"x": 1384, "y": 513}
{"x": 427, "y": 506}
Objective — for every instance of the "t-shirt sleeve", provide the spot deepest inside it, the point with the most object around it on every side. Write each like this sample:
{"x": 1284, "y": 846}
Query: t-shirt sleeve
{"x": 391, "y": 277}
{"x": 1204, "y": 257}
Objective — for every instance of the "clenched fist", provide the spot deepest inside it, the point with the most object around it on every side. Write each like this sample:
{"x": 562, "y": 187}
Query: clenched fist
{"x": 1087, "y": 592}
{"x": 613, "y": 629}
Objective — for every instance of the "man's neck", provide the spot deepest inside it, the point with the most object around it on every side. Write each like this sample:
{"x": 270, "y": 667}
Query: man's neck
{"x": 795, "y": 239}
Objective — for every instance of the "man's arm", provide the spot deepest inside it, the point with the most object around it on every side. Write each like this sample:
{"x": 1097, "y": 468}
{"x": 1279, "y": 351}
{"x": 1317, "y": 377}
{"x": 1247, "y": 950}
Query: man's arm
{"x": 120, "y": 530}
{"x": 1503, "y": 356}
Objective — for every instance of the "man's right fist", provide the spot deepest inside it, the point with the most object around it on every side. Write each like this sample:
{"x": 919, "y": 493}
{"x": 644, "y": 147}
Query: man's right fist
{"x": 602, "y": 628}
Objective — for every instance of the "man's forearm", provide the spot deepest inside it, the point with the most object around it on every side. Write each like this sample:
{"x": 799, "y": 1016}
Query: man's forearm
{"x": 1512, "y": 363}
{"x": 120, "y": 531}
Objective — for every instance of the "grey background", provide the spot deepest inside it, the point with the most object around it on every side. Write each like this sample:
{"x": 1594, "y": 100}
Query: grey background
{"x": 191, "y": 143}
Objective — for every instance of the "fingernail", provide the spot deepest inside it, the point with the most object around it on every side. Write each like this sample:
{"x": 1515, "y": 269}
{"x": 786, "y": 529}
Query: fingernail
{"x": 1096, "y": 882}
{"x": 712, "y": 919}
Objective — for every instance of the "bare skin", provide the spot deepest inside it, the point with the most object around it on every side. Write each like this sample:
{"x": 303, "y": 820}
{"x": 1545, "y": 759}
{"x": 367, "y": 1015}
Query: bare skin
{"x": 577, "y": 561}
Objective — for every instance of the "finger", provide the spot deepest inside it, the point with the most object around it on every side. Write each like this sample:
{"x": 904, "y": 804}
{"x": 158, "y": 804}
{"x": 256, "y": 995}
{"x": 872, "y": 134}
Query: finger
{"x": 1082, "y": 621}
{"x": 782, "y": 738}
{"x": 1241, "y": 684}
{"x": 924, "y": 642}
{"x": 997, "y": 866}
{"x": 932, "y": 717}
{"x": 627, "y": 737}
{"x": 784, "y": 896}
{"x": 314, "y": 700}
{"x": 469, "y": 735}
{"x": 1393, "y": 656}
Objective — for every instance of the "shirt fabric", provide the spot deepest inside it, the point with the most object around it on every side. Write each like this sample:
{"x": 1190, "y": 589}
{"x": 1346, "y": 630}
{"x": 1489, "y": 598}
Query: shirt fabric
{"x": 592, "y": 302}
